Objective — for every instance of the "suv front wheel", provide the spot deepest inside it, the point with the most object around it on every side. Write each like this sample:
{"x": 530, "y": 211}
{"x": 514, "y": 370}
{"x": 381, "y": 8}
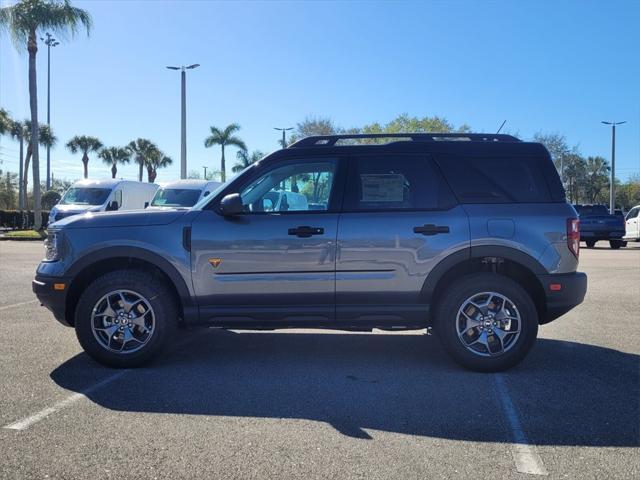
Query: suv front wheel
{"x": 487, "y": 322}
{"x": 124, "y": 318}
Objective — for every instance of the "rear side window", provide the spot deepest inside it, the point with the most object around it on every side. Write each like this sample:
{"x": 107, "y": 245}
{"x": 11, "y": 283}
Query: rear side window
{"x": 395, "y": 182}
{"x": 510, "y": 179}
{"x": 588, "y": 210}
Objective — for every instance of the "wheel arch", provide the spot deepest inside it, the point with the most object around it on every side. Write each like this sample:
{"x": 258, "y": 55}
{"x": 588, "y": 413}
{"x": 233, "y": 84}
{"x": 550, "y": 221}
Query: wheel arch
{"x": 97, "y": 263}
{"x": 512, "y": 263}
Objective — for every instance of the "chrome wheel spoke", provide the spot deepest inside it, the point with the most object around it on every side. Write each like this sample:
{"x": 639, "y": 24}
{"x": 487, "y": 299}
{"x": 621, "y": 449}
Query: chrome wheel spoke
{"x": 488, "y": 324}
{"x": 112, "y": 327}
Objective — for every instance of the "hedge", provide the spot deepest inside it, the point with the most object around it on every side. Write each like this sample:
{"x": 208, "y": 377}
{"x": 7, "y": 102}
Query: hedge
{"x": 20, "y": 220}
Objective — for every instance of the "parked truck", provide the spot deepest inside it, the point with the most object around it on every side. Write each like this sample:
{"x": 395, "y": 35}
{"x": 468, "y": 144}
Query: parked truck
{"x": 596, "y": 223}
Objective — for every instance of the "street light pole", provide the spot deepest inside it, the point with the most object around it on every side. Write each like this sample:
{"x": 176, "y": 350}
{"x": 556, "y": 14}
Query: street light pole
{"x": 49, "y": 42}
{"x": 612, "y": 185}
{"x": 284, "y": 138}
{"x": 205, "y": 171}
{"x": 183, "y": 117}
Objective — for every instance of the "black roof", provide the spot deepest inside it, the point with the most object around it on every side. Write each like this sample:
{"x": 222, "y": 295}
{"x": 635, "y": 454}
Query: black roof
{"x": 332, "y": 140}
{"x": 482, "y": 144}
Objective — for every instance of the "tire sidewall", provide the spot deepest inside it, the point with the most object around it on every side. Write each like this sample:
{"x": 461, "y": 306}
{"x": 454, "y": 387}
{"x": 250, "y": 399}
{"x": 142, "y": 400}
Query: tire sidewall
{"x": 143, "y": 284}
{"x": 464, "y": 289}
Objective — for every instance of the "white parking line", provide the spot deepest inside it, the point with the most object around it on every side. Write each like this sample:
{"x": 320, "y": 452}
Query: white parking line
{"x": 6, "y": 307}
{"x": 42, "y": 414}
{"x": 525, "y": 455}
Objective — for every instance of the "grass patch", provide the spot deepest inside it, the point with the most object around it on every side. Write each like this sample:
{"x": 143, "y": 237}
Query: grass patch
{"x": 26, "y": 234}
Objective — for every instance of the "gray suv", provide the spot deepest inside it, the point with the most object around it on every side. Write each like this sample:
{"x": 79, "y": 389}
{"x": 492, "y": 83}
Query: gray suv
{"x": 468, "y": 234}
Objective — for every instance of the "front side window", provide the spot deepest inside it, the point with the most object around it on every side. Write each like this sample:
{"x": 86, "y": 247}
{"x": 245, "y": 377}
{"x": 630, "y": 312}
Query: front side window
{"x": 633, "y": 213}
{"x": 295, "y": 187}
{"x": 85, "y": 196}
{"x": 395, "y": 182}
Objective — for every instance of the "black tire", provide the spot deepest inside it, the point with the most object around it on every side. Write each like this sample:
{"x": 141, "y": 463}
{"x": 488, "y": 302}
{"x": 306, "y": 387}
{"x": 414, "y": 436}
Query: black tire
{"x": 465, "y": 288}
{"x": 616, "y": 244}
{"x": 158, "y": 295}
{"x": 590, "y": 243}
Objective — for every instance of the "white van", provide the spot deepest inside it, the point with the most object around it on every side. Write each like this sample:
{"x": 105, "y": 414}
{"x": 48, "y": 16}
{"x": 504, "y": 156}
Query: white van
{"x": 182, "y": 193}
{"x": 101, "y": 196}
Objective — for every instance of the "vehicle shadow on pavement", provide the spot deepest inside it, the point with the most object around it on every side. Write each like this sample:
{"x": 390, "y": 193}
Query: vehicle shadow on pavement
{"x": 566, "y": 393}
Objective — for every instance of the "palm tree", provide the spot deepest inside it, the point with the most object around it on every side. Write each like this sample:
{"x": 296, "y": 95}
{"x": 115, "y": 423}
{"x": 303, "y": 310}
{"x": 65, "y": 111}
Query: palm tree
{"x": 84, "y": 144}
{"x": 156, "y": 160}
{"x": 23, "y": 20}
{"x": 5, "y": 121}
{"x": 244, "y": 159}
{"x": 46, "y": 138}
{"x": 142, "y": 149}
{"x": 224, "y": 138}
{"x": 113, "y": 156}
{"x": 18, "y": 131}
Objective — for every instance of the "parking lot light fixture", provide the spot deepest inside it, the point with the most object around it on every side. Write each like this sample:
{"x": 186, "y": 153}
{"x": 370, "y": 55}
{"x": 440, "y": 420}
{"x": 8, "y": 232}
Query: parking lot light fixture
{"x": 183, "y": 117}
{"x": 612, "y": 185}
{"x": 284, "y": 137}
{"x": 50, "y": 41}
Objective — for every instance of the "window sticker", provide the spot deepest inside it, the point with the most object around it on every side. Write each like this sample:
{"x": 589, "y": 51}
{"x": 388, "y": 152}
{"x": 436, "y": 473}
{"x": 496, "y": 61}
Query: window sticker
{"x": 385, "y": 187}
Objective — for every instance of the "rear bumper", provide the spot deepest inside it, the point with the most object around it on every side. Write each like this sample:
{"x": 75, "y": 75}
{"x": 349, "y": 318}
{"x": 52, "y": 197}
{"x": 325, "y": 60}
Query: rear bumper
{"x": 573, "y": 288}
{"x": 601, "y": 235}
{"x": 54, "y": 300}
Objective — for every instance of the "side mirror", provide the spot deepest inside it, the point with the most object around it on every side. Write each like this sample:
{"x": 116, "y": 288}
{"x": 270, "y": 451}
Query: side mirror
{"x": 231, "y": 205}
{"x": 112, "y": 206}
{"x": 146, "y": 204}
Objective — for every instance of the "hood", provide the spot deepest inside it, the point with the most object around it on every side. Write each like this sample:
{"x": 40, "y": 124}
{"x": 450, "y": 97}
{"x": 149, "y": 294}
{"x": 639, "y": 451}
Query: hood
{"x": 121, "y": 219}
{"x": 75, "y": 208}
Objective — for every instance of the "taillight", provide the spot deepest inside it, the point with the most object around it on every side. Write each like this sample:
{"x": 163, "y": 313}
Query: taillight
{"x": 573, "y": 235}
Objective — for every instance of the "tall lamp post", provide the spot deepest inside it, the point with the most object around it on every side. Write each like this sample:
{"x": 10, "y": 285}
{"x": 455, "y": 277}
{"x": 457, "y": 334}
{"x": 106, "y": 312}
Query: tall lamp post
{"x": 183, "y": 126}
{"x": 612, "y": 189}
{"x": 284, "y": 137}
{"x": 49, "y": 42}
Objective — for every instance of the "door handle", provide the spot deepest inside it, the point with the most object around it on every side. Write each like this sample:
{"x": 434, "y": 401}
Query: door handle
{"x": 306, "y": 231}
{"x": 431, "y": 229}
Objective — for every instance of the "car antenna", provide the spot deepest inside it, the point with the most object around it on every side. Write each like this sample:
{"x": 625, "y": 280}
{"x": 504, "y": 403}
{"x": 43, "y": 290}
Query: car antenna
{"x": 501, "y": 127}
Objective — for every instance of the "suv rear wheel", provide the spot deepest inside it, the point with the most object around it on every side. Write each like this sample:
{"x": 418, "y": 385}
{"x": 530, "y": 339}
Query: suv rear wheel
{"x": 124, "y": 318}
{"x": 487, "y": 322}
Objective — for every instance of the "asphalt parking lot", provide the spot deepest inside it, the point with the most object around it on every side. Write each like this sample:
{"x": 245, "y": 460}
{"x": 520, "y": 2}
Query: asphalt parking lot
{"x": 306, "y": 404}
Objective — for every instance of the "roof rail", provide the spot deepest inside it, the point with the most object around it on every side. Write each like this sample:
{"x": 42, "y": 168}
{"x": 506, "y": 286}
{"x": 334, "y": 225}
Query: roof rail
{"x": 331, "y": 140}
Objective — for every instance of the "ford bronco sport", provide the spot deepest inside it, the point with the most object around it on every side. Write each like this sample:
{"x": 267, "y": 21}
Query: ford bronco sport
{"x": 468, "y": 234}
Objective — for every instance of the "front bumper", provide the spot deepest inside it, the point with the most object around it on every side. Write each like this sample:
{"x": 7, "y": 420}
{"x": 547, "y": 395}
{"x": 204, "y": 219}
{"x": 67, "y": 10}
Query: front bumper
{"x": 55, "y": 300}
{"x": 573, "y": 288}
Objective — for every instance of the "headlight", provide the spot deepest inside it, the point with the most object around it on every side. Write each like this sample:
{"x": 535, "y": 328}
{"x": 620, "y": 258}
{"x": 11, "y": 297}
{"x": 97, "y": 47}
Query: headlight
{"x": 51, "y": 252}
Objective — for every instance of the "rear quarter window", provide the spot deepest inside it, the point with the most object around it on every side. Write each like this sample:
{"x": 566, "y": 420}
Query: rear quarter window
{"x": 497, "y": 179}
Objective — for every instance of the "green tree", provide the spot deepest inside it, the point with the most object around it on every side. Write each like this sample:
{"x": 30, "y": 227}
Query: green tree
{"x": 24, "y": 20}
{"x": 156, "y": 160}
{"x": 8, "y": 190}
{"x": 50, "y": 199}
{"x": 84, "y": 144}
{"x": 17, "y": 131}
{"x": 46, "y": 138}
{"x": 224, "y": 138}
{"x": 5, "y": 122}
{"x": 114, "y": 156}
{"x": 575, "y": 175}
{"x": 245, "y": 159}
{"x": 142, "y": 150}
{"x": 628, "y": 193}
{"x": 311, "y": 126}
{"x": 596, "y": 178}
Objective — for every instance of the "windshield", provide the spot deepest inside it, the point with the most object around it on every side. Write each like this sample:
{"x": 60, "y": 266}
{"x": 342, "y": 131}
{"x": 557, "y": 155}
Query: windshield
{"x": 175, "y": 197}
{"x": 592, "y": 210}
{"x": 85, "y": 196}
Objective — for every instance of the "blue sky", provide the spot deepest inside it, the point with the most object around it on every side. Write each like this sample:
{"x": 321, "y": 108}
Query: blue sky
{"x": 551, "y": 66}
